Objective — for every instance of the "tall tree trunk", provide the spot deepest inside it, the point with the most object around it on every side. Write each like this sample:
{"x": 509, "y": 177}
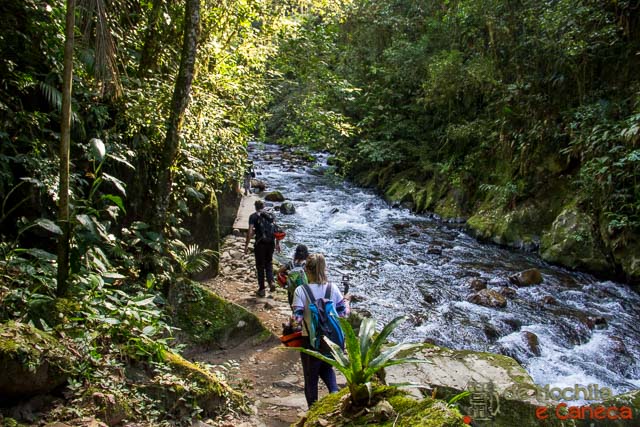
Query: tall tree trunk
{"x": 179, "y": 104}
{"x": 65, "y": 143}
{"x": 149, "y": 54}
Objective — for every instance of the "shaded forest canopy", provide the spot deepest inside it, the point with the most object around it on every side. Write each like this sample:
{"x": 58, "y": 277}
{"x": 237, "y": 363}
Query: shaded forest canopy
{"x": 522, "y": 116}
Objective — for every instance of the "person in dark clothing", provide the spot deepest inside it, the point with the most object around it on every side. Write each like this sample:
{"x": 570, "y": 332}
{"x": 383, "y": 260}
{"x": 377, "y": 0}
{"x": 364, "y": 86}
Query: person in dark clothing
{"x": 262, "y": 249}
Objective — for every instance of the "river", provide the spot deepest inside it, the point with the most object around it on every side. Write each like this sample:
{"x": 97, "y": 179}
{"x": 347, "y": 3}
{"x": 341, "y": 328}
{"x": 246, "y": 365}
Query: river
{"x": 404, "y": 263}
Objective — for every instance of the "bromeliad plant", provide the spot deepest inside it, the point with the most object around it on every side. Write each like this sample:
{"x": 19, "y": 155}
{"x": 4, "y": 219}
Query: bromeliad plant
{"x": 365, "y": 356}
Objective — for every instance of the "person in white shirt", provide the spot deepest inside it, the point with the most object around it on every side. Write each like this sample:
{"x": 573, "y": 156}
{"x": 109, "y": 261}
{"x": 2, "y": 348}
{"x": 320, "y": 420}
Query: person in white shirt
{"x": 312, "y": 367}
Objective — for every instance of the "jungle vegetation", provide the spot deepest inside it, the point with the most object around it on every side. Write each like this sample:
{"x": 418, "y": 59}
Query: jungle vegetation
{"x": 487, "y": 109}
{"x": 124, "y": 127}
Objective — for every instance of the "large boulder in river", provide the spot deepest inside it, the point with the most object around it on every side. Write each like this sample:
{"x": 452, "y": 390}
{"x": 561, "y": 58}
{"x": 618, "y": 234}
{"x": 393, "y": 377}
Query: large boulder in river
{"x": 532, "y": 342}
{"x": 573, "y": 241}
{"x": 477, "y": 284}
{"x": 287, "y": 208}
{"x": 274, "y": 196}
{"x": 32, "y": 362}
{"x": 447, "y": 373}
{"x": 205, "y": 318}
{"x": 488, "y": 298}
{"x": 260, "y": 185}
{"x": 527, "y": 277}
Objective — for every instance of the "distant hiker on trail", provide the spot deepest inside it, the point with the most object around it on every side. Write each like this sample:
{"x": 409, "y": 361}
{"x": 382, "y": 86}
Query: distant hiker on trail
{"x": 292, "y": 274}
{"x": 318, "y": 297}
{"x": 248, "y": 174}
{"x": 262, "y": 225}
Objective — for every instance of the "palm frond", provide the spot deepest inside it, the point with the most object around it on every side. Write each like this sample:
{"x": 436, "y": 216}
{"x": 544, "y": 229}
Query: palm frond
{"x": 52, "y": 95}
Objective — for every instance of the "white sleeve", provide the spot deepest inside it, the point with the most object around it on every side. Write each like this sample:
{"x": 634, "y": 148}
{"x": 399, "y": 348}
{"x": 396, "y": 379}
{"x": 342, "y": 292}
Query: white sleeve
{"x": 299, "y": 297}
{"x": 336, "y": 295}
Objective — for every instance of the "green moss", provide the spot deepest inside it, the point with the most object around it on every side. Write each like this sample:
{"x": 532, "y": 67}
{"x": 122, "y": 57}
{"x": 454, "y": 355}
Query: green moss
{"x": 401, "y": 190}
{"x": 208, "y": 319}
{"x": 31, "y": 360}
{"x": 409, "y": 412}
{"x": 447, "y": 207}
{"x": 211, "y": 394}
{"x": 572, "y": 242}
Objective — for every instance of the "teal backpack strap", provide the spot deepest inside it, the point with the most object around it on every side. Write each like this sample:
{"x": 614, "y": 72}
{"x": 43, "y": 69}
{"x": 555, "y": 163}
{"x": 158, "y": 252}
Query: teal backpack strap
{"x": 310, "y": 300}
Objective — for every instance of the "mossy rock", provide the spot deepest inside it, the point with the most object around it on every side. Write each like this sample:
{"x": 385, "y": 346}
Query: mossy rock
{"x": 626, "y": 254}
{"x": 519, "y": 228}
{"x": 274, "y": 196}
{"x": 450, "y": 206}
{"x": 448, "y": 373}
{"x": 207, "y": 319}
{"x": 32, "y": 362}
{"x": 403, "y": 411}
{"x": 401, "y": 190}
{"x": 211, "y": 394}
{"x": 573, "y": 242}
{"x": 51, "y": 312}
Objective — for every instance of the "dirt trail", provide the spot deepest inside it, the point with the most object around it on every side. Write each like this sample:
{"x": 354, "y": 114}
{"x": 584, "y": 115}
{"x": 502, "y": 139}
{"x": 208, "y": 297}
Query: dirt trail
{"x": 270, "y": 375}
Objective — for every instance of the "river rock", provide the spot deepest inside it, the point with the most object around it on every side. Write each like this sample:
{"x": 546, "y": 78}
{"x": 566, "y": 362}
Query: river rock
{"x": 488, "y": 298}
{"x": 600, "y": 322}
{"x": 508, "y": 292}
{"x": 205, "y": 318}
{"x": 532, "y": 343}
{"x": 549, "y": 300}
{"x": 274, "y": 196}
{"x": 477, "y": 284}
{"x": 618, "y": 346}
{"x": 32, "y": 362}
{"x": 434, "y": 250}
{"x": 401, "y": 225}
{"x": 259, "y": 185}
{"x": 447, "y": 373}
{"x": 287, "y": 208}
{"x": 527, "y": 277}
{"x": 573, "y": 241}
{"x": 211, "y": 394}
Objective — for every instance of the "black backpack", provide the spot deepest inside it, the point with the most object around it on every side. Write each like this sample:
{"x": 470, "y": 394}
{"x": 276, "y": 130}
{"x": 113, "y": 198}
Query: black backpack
{"x": 265, "y": 227}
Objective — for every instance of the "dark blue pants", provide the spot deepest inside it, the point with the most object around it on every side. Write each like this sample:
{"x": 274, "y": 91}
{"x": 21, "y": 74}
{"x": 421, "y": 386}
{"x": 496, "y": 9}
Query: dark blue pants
{"x": 264, "y": 264}
{"x": 313, "y": 369}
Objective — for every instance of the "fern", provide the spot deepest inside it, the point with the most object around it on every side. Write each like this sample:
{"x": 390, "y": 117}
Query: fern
{"x": 54, "y": 98}
{"x": 191, "y": 259}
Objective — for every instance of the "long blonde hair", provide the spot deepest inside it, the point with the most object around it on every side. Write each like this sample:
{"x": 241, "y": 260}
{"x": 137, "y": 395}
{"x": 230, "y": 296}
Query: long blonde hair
{"x": 316, "y": 269}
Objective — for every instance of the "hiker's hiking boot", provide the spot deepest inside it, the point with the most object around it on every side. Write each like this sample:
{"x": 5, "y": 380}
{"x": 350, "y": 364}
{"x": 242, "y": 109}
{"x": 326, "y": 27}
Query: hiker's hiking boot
{"x": 272, "y": 287}
{"x": 261, "y": 292}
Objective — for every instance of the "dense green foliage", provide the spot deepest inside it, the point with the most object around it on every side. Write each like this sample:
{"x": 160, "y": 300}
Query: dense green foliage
{"x": 123, "y": 264}
{"x": 467, "y": 104}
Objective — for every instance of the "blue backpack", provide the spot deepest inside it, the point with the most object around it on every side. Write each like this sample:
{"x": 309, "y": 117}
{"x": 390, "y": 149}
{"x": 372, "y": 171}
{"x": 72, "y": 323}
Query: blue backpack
{"x": 323, "y": 321}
